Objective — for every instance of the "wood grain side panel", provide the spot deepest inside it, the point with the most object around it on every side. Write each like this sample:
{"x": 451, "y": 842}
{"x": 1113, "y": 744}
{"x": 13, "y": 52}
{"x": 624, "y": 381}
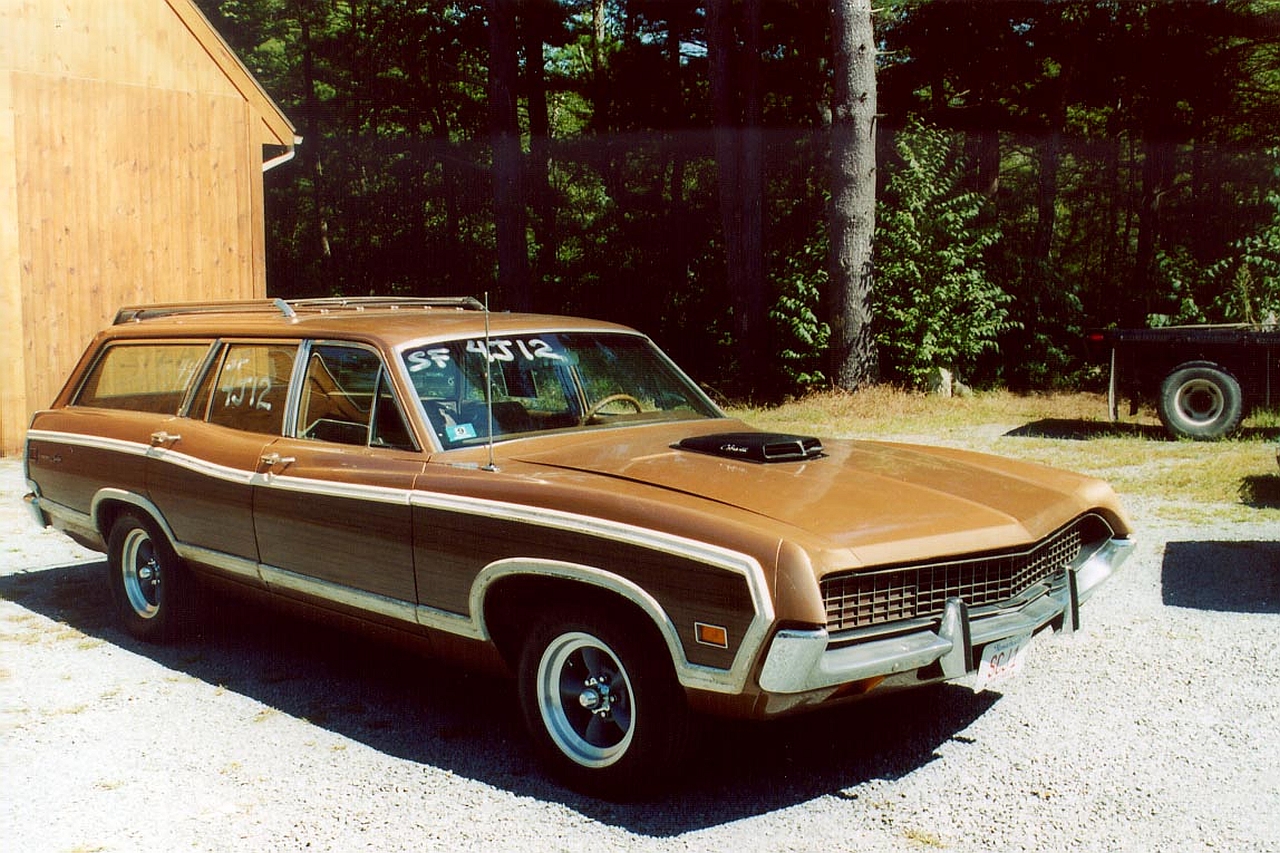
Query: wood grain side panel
{"x": 202, "y": 484}
{"x": 363, "y": 544}
{"x": 206, "y": 511}
{"x": 451, "y": 548}
{"x": 340, "y": 514}
{"x": 77, "y": 452}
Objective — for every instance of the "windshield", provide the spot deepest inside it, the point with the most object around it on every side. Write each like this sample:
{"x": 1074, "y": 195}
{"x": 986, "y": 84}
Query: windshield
{"x": 547, "y": 382}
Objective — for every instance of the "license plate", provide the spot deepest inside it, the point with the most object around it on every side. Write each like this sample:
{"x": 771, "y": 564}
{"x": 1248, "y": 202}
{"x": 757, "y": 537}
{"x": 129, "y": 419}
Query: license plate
{"x": 1001, "y": 660}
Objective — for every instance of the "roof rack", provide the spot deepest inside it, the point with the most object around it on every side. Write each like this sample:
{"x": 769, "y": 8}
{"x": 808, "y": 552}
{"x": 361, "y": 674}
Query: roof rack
{"x": 292, "y": 307}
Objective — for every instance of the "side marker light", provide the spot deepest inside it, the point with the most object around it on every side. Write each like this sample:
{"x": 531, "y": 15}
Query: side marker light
{"x": 711, "y": 635}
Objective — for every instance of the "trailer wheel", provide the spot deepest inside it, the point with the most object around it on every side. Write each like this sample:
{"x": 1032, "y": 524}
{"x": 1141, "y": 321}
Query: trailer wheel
{"x": 1201, "y": 402}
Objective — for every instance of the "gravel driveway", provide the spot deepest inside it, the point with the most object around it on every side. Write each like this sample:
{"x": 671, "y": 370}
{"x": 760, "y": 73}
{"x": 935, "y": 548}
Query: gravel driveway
{"x": 1155, "y": 727}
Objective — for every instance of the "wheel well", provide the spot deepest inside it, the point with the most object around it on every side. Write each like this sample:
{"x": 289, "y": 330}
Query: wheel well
{"x": 106, "y": 514}
{"x": 1249, "y": 374}
{"x": 109, "y": 509}
{"x": 1211, "y": 365}
{"x": 513, "y": 605}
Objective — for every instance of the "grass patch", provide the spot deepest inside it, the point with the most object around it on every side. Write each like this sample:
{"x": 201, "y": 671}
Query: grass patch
{"x": 1190, "y": 480}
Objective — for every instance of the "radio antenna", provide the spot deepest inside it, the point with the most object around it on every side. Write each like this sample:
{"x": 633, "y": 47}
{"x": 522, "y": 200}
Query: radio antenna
{"x": 488, "y": 383}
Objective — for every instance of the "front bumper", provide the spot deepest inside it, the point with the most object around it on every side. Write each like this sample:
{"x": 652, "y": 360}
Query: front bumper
{"x": 801, "y": 661}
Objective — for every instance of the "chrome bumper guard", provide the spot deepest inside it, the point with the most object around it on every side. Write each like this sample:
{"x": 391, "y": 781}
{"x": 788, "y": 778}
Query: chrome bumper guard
{"x": 802, "y": 660}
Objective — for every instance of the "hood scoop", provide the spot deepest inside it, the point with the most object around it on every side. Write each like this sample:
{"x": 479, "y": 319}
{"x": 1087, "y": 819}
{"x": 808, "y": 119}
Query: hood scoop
{"x": 755, "y": 446}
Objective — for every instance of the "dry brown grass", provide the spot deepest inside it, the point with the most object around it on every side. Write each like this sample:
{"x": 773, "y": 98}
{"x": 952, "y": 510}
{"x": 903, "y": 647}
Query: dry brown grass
{"x": 1234, "y": 479}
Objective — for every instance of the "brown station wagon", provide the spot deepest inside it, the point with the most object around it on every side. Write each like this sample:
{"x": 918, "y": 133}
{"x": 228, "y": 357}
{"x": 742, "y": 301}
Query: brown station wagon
{"x": 554, "y": 498}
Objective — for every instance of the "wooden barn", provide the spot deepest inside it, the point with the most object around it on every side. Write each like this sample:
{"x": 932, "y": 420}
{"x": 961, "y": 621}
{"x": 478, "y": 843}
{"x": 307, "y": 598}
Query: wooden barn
{"x": 133, "y": 145}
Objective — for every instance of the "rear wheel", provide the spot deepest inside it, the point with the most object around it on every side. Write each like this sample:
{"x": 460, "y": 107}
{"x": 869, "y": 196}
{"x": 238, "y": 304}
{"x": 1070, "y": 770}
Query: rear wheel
{"x": 601, "y": 702}
{"x": 1200, "y": 401}
{"x": 149, "y": 583}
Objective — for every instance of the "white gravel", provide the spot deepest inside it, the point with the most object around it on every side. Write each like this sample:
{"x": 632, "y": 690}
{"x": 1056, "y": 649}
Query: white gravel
{"x": 1153, "y": 728}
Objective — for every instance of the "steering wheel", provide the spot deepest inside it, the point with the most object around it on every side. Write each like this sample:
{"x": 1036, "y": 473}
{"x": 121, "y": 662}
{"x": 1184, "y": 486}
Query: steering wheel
{"x": 612, "y": 398}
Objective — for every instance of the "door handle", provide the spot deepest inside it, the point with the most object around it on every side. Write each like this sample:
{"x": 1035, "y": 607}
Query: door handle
{"x": 271, "y": 460}
{"x": 161, "y": 438}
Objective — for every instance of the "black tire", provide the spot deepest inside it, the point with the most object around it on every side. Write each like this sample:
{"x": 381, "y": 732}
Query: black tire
{"x": 602, "y": 703}
{"x": 150, "y": 585}
{"x": 1202, "y": 402}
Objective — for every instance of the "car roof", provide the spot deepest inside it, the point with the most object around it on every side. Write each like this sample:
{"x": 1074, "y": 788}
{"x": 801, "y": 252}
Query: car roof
{"x": 391, "y": 322}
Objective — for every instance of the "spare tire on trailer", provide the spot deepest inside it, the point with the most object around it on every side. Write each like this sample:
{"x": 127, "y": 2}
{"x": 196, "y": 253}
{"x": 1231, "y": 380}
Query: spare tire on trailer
{"x": 1200, "y": 401}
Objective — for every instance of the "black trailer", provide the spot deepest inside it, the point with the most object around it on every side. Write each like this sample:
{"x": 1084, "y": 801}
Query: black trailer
{"x": 1203, "y": 379}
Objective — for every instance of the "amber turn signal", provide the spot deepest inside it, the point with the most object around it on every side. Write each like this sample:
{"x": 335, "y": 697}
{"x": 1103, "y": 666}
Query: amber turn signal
{"x": 711, "y": 635}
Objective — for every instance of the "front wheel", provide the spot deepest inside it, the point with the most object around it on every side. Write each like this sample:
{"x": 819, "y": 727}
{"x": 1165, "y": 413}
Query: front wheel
{"x": 1202, "y": 402}
{"x": 149, "y": 583}
{"x": 601, "y": 702}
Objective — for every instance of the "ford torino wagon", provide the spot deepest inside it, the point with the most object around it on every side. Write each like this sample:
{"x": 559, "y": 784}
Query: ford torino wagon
{"x": 554, "y": 499}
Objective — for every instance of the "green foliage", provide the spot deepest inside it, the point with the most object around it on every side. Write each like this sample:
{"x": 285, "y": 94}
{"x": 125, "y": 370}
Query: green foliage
{"x": 1242, "y": 286}
{"x": 1117, "y": 147}
{"x": 802, "y": 336}
{"x": 1252, "y": 271}
{"x": 936, "y": 307}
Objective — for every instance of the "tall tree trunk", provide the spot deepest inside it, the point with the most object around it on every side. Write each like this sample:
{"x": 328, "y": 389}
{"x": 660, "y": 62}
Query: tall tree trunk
{"x": 442, "y": 153}
{"x": 1113, "y": 187}
{"x": 853, "y": 193}
{"x": 1157, "y": 177}
{"x": 598, "y": 86}
{"x": 735, "y": 71}
{"x": 538, "y": 172}
{"x": 1050, "y": 157}
{"x": 311, "y": 144}
{"x": 508, "y": 199}
{"x": 982, "y": 150}
{"x": 753, "y": 292}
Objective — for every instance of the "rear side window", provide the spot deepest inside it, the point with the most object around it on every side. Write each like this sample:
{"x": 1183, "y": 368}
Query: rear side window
{"x": 145, "y": 377}
{"x": 252, "y": 387}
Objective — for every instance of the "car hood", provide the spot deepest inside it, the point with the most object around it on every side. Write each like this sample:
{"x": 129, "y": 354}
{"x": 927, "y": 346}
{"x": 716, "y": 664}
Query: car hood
{"x": 885, "y": 501}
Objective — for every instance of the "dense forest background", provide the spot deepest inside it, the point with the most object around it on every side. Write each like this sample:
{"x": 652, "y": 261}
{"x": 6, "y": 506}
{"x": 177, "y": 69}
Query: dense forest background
{"x": 1043, "y": 168}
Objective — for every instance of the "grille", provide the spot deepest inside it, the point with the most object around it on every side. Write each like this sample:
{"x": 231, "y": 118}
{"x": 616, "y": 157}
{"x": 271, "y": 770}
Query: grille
{"x": 862, "y": 599}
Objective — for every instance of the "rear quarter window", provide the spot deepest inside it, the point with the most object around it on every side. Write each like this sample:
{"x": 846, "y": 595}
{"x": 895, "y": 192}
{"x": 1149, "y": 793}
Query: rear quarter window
{"x": 142, "y": 377}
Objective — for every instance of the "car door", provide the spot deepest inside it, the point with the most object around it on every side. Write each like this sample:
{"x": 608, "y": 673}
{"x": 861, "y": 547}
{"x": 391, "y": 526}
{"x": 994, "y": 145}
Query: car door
{"x": 203, "y": 466}
{"x": 332, "y": 511}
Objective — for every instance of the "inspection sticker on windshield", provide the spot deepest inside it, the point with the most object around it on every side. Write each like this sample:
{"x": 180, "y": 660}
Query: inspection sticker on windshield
{"x": 1000, "y": 660}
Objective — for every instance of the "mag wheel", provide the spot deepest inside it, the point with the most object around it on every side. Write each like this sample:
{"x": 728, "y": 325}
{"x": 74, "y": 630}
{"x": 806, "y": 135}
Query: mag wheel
{"x": 148, "y": 581}
{"x": 1200, "y": 402}
{"x": 602, "y": 703}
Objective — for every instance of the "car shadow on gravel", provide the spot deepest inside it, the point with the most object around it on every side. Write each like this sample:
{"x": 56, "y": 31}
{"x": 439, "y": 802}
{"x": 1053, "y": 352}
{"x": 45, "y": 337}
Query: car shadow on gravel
{"x": 1230, "y": 577}
{"x": 1079, "y": 429}
{"x": 404, "y": 705}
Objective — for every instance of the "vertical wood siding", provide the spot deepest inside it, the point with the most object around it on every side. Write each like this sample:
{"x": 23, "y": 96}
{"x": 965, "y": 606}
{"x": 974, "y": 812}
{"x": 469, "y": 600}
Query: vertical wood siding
{"x": 127, "y": 195}
{"x": 130, "y": 172}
